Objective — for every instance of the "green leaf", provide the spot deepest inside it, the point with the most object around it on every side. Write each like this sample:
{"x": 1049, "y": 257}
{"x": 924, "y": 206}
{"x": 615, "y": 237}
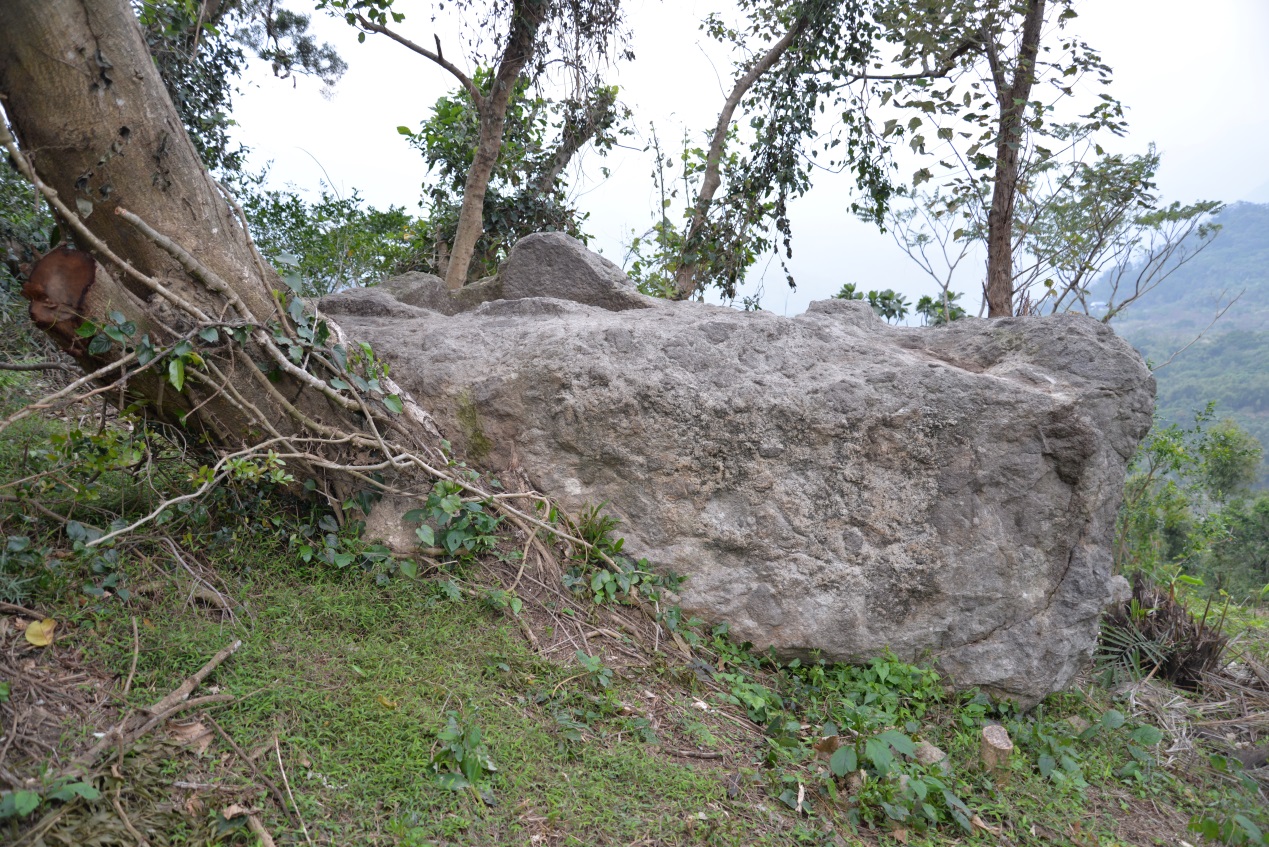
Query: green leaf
{"x": 1249, "y": 828}
{"x": 879, "y": 754}
{"x": 100, "y": 344}
{"x": 209, "y": 334}
{"x": 176, "y": 374}
{"x": 1047, "y": 764}
{"x": 409, "y": 568}
{"x": 1146, "y": 735}
{"x": 394, "y": 404}
{"x": 898, "y": 741}
{"x": 426, "y": 536}
{"x": 25, "y": 802}
{"x": 453, "y": 781}
{"x": 1113, "y": 719}
{"x": 843, "y": 761}
{"x": 75, "y": 789}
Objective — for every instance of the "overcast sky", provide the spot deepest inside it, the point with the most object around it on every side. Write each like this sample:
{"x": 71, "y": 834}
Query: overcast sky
{"x": 1194, "y": 83}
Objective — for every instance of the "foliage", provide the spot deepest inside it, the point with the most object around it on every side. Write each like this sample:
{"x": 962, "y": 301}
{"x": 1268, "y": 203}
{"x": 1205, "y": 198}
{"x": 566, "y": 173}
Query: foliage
{"x": 812, "y": 51}
{"x": 992, "y": 115}
{"x": 1155, "y": 634}
{"x": 526, "y": 191}
{"x": 526, "y": 36}
{"x": 200, "y": 58}
{"x": 1103, "y": 222}
{"x": 20, "y": 803}
{"x": 1238, "y": 561}
{"x": 893, "y": 307}
{"x": 335, "y": 242}
{"x": 460, "y": 526}
{"x": 1238, "y": 260}
{"x": 1177, "y": 483}
{"x": 603, "y": 570}
{"x": 461, "y": 760}
{"x": 936, "y": 311}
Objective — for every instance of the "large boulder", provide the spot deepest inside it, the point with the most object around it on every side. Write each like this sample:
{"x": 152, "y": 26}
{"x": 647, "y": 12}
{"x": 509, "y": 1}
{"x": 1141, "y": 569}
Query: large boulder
{"x": 830, "y": 485}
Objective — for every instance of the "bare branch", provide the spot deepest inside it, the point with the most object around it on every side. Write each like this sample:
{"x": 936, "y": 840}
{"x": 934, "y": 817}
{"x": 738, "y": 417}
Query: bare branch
{"x": 477, "y": 97}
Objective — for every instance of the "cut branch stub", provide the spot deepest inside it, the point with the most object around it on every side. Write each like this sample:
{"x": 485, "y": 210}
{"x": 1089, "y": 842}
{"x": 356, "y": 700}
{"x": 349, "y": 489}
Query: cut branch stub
{"x": 995, "y": 748}
{"x": 57, "y": 288}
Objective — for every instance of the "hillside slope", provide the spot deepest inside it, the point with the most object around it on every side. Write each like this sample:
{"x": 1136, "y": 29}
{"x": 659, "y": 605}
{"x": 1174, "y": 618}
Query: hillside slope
{"x": 1230, "y": 362}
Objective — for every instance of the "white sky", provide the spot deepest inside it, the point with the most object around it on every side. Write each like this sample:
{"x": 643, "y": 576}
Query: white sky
{"x": 1194, "y": 84}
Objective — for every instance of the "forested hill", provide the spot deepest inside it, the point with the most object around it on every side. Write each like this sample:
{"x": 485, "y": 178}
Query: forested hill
{"x": 1230, "y": 362}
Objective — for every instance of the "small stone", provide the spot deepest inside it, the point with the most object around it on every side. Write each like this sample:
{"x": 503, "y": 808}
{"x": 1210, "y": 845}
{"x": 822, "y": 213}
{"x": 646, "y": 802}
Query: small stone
{"x": 1078, "y": 724}
{"x": 927, "y": 754}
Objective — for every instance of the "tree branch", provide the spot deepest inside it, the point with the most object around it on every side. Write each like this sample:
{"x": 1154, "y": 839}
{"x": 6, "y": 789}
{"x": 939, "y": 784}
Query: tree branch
{"x": 466, "y": 81}
{"x": 685, "y": 276}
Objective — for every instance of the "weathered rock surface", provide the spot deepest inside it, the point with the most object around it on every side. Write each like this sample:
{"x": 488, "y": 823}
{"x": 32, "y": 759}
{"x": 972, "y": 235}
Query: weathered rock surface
{"x": 830, "y": 485}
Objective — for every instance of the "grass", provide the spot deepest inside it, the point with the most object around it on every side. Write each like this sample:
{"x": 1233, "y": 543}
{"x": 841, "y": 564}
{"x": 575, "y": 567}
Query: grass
{"x": 358, "y": 675}
{"x": 357, "y": 679}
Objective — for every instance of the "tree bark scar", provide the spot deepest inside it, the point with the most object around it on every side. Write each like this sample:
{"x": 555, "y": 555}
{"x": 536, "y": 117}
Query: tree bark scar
{"x": 57, "y": 288}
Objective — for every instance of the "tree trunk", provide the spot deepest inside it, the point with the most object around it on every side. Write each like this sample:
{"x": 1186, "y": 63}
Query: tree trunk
{"x": 685, "y": 277}
{"x": 527, "y": 18}
{"x": 95, "y": 124}
{"x": 577, "y": 134}
{"x": 1012, "y": 99}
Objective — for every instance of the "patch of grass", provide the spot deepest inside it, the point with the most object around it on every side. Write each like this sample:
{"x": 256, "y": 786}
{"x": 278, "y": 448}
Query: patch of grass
{"x": 356, "y": 679}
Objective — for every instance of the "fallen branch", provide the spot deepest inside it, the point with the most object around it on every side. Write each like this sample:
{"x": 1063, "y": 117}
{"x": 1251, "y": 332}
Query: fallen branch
{"x": 175, "y": 702}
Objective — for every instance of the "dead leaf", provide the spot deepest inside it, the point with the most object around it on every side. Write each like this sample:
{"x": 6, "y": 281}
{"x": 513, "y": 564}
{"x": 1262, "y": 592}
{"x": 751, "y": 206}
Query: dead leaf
{"x": 234, "y": 811}
{"x": 386, "y": 703}
{"x": 827, "y": 745}
{"x": 979, "y": 823}
{"x": 194, "y": 805}
{"x": 900, "y": 835}
{"x": 40, "y": 633}
{"x": 682, "y": 645}
{"x": 192, "y": 735}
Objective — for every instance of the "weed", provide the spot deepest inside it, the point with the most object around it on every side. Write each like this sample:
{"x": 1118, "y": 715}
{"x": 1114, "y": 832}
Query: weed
{"x": 462, "y": 761}
{"x": 461, "y": 527}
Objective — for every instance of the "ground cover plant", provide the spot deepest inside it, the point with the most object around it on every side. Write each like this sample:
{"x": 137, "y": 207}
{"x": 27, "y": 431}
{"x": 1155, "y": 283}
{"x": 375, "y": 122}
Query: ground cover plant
{"x": 481, "y": 692}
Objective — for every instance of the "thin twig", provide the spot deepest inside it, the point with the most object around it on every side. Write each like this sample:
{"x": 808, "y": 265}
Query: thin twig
{"x": 278, "y": 750}
{"x": 183, "y": 692}
{"x": 174, "y": 702}
{"x": 22, "y": 610}
{"x": 35, "y": 366}
{"x": 136, "y": 651}
{"x": 123, "y": 816}
{"x": 253, "y": 824}
{"x": 270, "y": 784}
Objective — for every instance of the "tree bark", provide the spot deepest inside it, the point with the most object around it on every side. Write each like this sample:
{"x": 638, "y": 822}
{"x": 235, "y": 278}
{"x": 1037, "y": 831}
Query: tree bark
{"x": 526, "y": 19}
{"x": 95, "y": 124}
{"x": 685, "y": 276}
{"x": 1012, "y": 97}
{"x": 994, "y": 748}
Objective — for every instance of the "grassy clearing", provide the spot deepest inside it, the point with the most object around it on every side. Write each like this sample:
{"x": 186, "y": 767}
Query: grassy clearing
{"x": 360, "y": 690}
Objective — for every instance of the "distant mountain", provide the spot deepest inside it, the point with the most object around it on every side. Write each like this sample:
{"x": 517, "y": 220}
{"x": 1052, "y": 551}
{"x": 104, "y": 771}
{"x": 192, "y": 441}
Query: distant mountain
{"x": 1230, "y": 362}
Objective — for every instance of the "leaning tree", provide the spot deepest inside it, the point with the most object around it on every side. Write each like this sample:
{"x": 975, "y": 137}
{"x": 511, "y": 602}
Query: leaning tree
{"x": 158, "y": 292}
